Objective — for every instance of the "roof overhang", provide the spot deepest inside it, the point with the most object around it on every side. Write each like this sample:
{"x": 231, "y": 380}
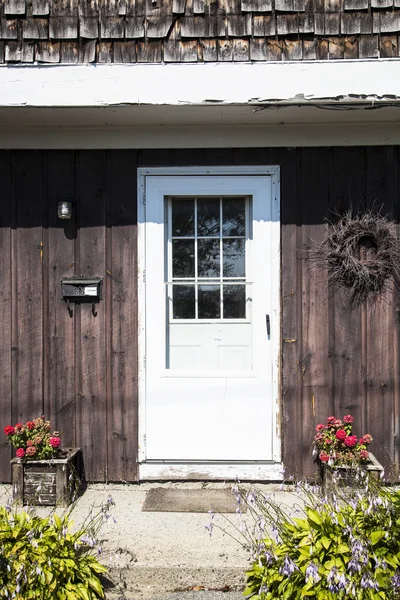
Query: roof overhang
{"x": 199, "y": 105}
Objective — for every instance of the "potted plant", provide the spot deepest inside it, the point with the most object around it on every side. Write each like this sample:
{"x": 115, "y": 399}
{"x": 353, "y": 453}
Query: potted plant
{"x": 340, "y": 453}
{"x": 42, "y": 472}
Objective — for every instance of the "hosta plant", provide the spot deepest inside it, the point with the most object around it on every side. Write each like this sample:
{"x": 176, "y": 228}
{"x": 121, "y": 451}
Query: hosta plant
{"x": 345, "y": 547}
{"x": 43, "y": 559}
{"x": 34, "y": 440}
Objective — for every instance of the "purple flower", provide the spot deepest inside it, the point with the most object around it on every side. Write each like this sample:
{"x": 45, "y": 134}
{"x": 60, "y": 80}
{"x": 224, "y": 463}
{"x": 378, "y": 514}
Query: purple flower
{"x": 312, "y": 573}
{"x": 396, "y": 581}
{"x": 288, "y": 567}
{"x": 336, "y": 581}
{"x": 367, "y": 582}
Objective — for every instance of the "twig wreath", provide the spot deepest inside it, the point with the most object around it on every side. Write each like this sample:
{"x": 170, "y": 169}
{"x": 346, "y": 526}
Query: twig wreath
{"x": 362, "y": 254}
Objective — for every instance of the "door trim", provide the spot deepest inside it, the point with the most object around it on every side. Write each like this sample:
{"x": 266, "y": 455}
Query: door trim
{"x": 163, "y": 470}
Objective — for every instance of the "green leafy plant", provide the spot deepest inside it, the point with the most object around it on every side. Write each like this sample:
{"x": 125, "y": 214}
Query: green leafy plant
{"x": 42, "y": 558}
{"x": 34, "y": 440}
{"x": 344, "y": 547}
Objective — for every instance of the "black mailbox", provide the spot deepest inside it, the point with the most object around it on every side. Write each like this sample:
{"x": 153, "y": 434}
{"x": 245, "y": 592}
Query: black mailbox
{"x": 81, "y": 289}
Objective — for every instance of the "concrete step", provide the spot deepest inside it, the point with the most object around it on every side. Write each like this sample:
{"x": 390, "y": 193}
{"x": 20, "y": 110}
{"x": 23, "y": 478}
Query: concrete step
{"x": 183, "y": 595}
{"x": 155, "y": 582}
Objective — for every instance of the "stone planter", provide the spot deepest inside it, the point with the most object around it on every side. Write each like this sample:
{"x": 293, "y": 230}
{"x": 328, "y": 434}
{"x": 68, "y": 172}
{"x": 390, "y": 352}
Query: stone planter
{"x": 343, "y": 476}
{"x": 52, "y": 482}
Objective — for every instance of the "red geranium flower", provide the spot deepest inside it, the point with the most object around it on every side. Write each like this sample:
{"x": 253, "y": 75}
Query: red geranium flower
{"x": 320, "y": 427}
{"x": 9, "y": 430}
{"x": 331, "y": 420}
{"x": 18, "y": 426}
{"x": 30, "y": 425}
{"x": 54, "y": 441}
{"x": 341, "y": 434}
{"x": 351, "y": 441}
{"x": 364, "y": 454}
{"x": 348, "y": 419}
{"x": 20, "y": 453}
{"x": 323, "y": 457}
{"x": 31, "y": 451}
{"x": 366, "y": 439}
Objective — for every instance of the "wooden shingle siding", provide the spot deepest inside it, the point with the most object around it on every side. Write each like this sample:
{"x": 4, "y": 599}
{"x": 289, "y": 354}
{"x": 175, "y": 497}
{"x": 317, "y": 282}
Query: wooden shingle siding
{"x": 81, "y": 370}
{"x": 188, "y": 30}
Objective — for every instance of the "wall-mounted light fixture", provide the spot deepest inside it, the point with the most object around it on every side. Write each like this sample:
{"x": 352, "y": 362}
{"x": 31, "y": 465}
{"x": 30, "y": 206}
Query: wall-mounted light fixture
{"x": 64, "y": 209}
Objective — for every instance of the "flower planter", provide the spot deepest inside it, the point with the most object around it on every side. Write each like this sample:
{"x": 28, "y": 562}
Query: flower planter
{"x": 344, "y": 476}
{"x": 50, "y": 482}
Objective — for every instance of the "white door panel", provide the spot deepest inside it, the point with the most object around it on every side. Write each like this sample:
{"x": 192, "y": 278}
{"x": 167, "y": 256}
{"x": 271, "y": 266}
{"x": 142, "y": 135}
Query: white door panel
{"x": 211, "y": 257}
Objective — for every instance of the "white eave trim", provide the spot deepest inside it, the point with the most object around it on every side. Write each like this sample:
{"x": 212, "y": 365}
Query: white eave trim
{"x": 200, "y": 84}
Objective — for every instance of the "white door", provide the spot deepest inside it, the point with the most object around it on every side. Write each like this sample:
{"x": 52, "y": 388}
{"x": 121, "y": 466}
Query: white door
{"x": 210, "y": 333}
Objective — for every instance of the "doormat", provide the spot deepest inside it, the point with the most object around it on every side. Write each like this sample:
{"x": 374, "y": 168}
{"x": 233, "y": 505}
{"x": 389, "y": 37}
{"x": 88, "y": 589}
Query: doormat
{"x": 193, "y": 501}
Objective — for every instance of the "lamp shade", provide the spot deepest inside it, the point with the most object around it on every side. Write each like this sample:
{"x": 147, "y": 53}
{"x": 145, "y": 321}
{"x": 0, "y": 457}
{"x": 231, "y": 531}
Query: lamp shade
{"x": 64, "y": 209}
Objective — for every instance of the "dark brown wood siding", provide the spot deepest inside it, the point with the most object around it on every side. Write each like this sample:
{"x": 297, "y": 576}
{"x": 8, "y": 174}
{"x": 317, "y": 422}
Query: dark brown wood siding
{"x": 81, "y": 370}
{"x": 78, "y": 369}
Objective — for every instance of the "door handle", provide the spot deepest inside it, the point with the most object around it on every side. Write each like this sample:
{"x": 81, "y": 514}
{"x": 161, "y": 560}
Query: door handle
{"x": 268, "y": 323}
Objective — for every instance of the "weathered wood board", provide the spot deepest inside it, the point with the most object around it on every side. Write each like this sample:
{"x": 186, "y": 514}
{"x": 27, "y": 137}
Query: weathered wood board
{"x": 52, "y": 482}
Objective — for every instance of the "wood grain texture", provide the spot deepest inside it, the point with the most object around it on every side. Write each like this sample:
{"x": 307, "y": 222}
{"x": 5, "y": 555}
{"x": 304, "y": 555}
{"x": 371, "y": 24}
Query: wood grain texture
{"x": 82, "y": 370}
{"x": 345, "y": 335}
{"x": 60, "y": 395}
{"x": 6, "y": 218}
{"x": 18, "y": 484}
{"x": 8, "y": 29}
{"x": 14, "y": 7}
{"x": 92, "y": 402}
{"x": 121, "y": 273}
{"x": 314, "y": 364}
{"x": 307, "y": 30}
{"x": 382, "y": 189}
{"x": 40, "y": 7}
{"x": 35, "y": 29}
{"x": 291, "y": 424}
{"x": 29, "y": 286}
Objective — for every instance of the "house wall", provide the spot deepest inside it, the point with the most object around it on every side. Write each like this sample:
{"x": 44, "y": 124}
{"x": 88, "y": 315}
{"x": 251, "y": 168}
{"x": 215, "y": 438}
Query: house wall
{"x": 81, "y": 370}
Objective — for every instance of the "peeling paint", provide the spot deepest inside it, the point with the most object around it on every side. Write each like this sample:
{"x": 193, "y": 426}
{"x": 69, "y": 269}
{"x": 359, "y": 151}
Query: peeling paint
{"x": 370, "y": 83}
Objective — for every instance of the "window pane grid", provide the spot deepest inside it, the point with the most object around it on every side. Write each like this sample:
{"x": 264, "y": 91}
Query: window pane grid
{"x": 196, "y": 263}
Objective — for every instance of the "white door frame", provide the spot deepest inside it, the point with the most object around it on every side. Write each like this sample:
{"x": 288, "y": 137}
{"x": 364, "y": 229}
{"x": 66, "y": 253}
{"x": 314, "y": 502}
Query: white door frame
{"x": 270, "y": 470}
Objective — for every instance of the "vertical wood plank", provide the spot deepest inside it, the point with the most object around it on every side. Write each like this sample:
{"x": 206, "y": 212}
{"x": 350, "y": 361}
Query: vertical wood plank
{"x": 396, "y": 329}
{"x": 346, "y": 333}
{"x": 29, "y": 289}
{"x": 314, "y": 360}
{"x": 91, "y": 404}
{"x": 60, "y": 398}
{"x": 154, "y": 158}
{"x": 6, "y": 212}
{"x": 121, "y": 269}
{"x": 18, "y": 484}
{"x": 382, "y": 190}
{"x": 62, "y": 483}
{"x": 291, "y": 261}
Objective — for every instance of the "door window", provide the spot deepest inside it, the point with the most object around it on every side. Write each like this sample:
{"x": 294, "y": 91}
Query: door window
{"x": 206, "y": 258}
